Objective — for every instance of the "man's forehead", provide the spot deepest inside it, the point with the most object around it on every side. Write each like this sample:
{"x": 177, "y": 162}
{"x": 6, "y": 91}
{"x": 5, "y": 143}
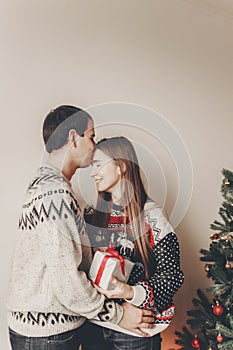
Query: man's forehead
{"x": 90, "y": 127}
{"x": 90, "y": 131}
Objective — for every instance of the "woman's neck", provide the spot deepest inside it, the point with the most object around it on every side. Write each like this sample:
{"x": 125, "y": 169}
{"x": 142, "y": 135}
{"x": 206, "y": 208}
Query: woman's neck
{"x": 117, "y": 194}
{"x": 117, "y": 198}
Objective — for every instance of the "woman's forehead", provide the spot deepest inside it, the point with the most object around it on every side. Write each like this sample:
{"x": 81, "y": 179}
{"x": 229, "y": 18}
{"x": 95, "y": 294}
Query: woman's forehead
{"x": 100, "y": 156}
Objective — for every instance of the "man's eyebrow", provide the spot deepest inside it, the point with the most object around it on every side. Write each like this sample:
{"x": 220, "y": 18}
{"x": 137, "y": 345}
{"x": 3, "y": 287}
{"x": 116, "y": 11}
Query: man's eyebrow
{"x": 91, "y": 132}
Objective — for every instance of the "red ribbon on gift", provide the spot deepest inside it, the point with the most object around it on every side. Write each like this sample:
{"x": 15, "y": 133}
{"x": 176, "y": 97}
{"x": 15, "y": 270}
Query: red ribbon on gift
{"x": 112, "y": 254}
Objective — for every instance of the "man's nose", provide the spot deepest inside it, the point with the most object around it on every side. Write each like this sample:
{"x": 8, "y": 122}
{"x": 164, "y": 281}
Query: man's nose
{"x": 93, "y": 171}
{"x": 93, "y": 143}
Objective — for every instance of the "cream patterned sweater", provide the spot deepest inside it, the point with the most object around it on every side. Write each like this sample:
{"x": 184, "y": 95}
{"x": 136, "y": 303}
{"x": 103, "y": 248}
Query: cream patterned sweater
{"x": 49, "y": 292}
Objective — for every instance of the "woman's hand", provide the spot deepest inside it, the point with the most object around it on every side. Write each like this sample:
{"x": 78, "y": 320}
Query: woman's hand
{"x": 121, "y": 291}
{"x": 100, "y": 249}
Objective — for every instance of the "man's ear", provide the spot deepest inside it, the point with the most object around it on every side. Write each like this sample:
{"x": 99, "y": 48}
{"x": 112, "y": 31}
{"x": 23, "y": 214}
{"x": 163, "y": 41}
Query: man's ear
{"x": 72, "y": 137}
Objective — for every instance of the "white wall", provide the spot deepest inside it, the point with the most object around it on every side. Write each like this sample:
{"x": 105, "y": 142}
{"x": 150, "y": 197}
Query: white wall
{"x": 174, "y": 57}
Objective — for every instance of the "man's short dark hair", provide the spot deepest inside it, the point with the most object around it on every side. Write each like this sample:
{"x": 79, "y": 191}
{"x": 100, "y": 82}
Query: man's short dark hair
{"x": 59, "y": 122}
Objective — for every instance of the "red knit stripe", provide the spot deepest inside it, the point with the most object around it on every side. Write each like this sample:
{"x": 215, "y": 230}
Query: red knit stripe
{"x": 118, "y": 220}
{"x": 151, "y": 236}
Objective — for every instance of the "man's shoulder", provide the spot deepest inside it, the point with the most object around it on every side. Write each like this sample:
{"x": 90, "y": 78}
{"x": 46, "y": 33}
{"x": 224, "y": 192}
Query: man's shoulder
{"x": 49, "y": 198}
{"x": 49, "y": 186}
{"x": 47, "y": 177}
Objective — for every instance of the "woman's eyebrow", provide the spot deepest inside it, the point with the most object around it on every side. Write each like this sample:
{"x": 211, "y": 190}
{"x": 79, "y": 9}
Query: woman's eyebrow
{"x": 95, "y": 161}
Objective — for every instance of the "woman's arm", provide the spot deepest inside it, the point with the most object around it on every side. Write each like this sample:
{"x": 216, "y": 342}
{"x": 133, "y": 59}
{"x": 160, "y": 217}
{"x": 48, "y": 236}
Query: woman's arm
{"x": 157, "y": 292}
{"x": 167, "y": 277}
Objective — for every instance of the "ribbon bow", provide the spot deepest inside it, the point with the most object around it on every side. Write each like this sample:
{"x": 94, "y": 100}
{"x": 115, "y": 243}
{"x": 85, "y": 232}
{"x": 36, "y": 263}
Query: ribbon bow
{"x": 112, "y": 254}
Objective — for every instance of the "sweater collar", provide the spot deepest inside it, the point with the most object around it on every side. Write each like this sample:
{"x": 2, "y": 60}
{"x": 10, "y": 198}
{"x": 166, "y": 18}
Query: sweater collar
{"x": 117, "y": 207}
{"x": 49, "y": 169}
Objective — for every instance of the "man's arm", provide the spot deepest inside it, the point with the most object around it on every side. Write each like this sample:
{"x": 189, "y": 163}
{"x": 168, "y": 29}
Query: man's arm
{"x": 64, "y": 252}
{"x": 62, "y": 242}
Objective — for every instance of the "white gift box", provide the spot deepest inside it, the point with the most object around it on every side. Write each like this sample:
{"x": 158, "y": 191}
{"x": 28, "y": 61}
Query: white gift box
{"x": 107, "y": 264}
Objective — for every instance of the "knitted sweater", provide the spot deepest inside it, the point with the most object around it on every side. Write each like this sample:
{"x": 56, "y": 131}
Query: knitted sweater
{"x": 49, "y": 292}
{"x": 157, "y": 292}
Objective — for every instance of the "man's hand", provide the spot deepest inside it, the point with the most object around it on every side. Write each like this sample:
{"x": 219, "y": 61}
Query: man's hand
{"x": 134, "y": 318}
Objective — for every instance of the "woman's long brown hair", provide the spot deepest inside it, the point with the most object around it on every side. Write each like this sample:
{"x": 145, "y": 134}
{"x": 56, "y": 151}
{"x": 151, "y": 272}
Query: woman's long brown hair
{"x": 134, "y": 196}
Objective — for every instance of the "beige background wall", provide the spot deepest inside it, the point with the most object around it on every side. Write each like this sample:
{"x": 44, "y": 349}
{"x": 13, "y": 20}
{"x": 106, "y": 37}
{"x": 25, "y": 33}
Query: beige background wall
{"x": 173, "y": 56}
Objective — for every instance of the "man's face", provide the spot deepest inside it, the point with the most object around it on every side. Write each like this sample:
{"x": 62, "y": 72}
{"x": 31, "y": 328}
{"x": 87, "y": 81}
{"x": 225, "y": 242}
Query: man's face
{"x": 85, "y": 145}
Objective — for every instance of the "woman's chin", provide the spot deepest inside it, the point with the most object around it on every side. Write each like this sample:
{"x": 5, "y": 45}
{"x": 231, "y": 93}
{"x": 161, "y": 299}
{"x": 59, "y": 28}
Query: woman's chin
{"x": 99, "y": 187}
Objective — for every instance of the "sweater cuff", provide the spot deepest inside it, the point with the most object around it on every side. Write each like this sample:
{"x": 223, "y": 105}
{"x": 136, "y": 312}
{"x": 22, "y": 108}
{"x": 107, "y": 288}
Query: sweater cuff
{"x": 119, "y": 314}
{"x": 139, "y": 295}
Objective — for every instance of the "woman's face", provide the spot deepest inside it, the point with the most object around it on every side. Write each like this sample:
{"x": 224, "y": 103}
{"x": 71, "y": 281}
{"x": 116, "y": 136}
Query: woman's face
{"x": 105, "y": 172}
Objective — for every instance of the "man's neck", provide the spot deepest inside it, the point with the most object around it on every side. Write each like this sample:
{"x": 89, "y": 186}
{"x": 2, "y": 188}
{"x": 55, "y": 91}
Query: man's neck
{"x": 59, "y": 159}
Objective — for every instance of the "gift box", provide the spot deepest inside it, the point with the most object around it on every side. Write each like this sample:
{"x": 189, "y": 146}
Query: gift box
{"x": 107, "y": 264}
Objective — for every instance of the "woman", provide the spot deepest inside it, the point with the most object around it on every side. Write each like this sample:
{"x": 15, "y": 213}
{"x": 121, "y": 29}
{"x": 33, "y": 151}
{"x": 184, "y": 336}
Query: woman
{"x": 127, "y": 220}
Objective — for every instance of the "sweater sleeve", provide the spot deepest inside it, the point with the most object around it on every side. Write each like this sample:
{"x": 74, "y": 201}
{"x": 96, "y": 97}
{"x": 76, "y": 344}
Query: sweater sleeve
{"x": 157, "y": 292}
{"x": 66, "y": 247}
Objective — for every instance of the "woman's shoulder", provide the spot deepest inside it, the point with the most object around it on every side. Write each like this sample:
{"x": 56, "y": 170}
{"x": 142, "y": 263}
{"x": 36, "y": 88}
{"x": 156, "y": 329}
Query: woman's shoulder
{"x": 156, "y": 217}
{"x": 151, "y": 204}
{"x": 153, "y": 208}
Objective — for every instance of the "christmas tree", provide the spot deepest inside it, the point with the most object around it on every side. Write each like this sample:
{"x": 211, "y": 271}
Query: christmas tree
{"x": 210, "y": 324}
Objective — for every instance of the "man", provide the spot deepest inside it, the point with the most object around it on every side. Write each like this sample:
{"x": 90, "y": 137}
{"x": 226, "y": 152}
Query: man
{"x": 50, "y": 296}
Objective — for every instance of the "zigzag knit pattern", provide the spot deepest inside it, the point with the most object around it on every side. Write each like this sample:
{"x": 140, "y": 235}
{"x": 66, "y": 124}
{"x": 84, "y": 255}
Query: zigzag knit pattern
{"x": 49, "y": 292}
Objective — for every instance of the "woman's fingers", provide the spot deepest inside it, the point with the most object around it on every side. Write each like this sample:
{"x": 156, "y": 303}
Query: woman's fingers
{"x": 100, "y": 249}
{"x": 100, "y": 290}
{"x": 113, "y": 296}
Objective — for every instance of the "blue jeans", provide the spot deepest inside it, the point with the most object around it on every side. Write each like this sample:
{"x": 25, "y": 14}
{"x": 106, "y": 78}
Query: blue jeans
{"x": 99, "y": 338}
{"x": 64, "y": 341}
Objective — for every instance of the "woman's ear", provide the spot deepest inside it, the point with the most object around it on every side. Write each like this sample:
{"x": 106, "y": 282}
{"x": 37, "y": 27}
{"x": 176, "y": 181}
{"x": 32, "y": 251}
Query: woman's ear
{"x": 122, "y": 168}
{"x": 119, "y": 170}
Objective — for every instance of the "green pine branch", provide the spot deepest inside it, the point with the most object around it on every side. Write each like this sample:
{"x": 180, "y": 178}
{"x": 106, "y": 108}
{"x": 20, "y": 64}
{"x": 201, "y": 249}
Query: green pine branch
{"x": 226, "y": 345}
{"x": 225, "y": 331}
{"x": 219, "y": 258}
{"x": 186, "y": 338}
